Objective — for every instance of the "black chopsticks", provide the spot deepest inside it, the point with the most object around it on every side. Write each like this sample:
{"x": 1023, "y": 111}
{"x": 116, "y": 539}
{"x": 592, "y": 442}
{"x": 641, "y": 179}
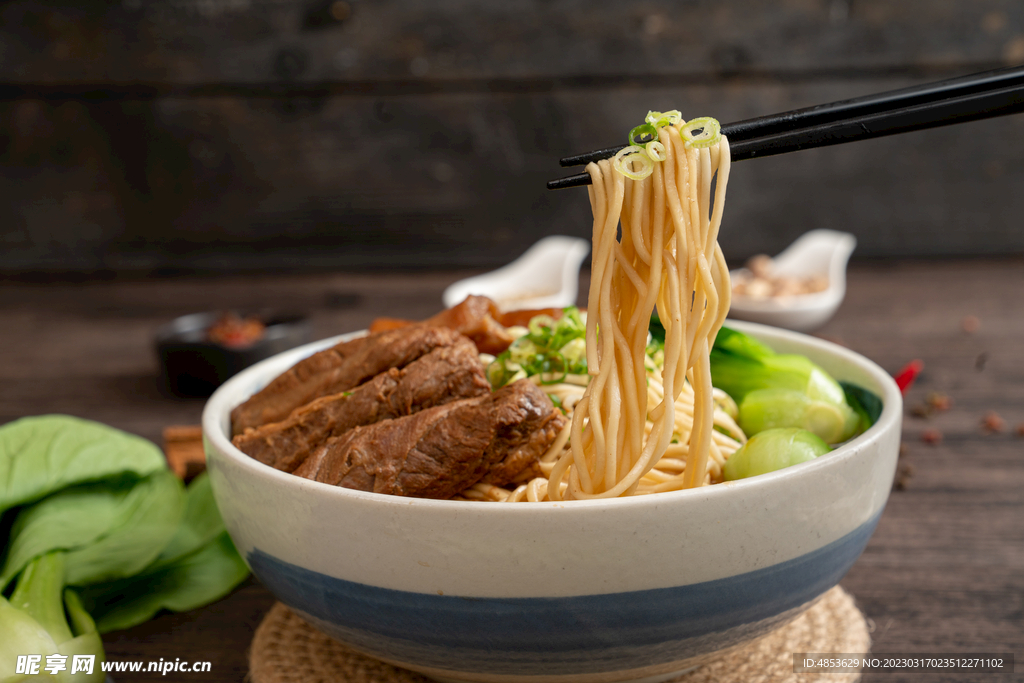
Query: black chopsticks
{"x": 957, "y": 100}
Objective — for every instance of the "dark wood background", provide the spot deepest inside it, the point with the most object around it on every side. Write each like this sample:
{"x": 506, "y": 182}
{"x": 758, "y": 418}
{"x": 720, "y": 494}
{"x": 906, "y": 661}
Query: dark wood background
{"x": 182, "y": 136}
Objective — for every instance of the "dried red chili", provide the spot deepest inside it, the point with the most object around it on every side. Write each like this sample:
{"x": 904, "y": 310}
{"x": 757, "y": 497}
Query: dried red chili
{"x": 905, "y": 377}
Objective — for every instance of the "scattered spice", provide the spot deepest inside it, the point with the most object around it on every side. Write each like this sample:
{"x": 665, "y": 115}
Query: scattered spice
{"x": 938, "y": 401}
{"x": 1020, "y": 429}
{"x": 904, "y": 449}
{"x": 932, "y": 437}
{"x": 921, "y": 410}
{"x": 992, "y": 423}
{"x": 979, "y": 362}
{"x": 903, "y": 474}
{"x": 970, "y": 324}
{"x": 905, "y": 377}
{"x": 934, "y": 402}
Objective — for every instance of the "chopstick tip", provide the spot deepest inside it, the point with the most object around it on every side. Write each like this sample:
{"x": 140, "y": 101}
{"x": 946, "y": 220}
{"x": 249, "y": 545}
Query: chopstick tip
{"x": 578, "y": 180}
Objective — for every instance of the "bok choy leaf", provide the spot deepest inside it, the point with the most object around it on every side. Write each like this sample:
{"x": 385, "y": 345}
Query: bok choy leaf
{"x": 776, "y": 390}
{"x": 44, "y": 454}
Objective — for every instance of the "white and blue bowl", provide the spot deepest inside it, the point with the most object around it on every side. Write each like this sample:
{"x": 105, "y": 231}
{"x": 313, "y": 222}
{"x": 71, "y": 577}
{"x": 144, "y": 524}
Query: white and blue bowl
{"x": 616, "y": 590}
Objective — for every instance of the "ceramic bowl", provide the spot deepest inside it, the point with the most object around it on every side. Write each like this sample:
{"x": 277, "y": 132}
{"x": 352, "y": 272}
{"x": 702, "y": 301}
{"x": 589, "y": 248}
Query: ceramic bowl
{"x": 626, "y": 589}
{"x": 818, "y": 252}
{"x": 545, "y": 276}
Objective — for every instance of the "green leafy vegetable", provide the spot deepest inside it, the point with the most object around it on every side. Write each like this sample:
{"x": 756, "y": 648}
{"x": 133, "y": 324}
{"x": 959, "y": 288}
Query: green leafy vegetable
{"x": 657, "y": 330}
{"x": 200, "y": 524}
{"x": 198, "y": 566}
{"x": 737, "y": 345}
{"x": 38, "y": 594}
{"x": 109, "y": 530}
{"x": 741, "y": 365}
{"x": 35, "y": 622}
{"x": 42, "y": 455}
{"x": 773, "y": 449}
{"x": 136, "y": 540}
{"x": 867, "y": 404}
{"x": 99, "y": 510}
{"x": 771, "y": 408}
{"x": 195, "y": 580}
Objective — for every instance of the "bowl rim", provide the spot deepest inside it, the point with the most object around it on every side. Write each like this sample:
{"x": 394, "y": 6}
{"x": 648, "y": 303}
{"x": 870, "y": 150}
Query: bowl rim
{"x": 220, "y": 444}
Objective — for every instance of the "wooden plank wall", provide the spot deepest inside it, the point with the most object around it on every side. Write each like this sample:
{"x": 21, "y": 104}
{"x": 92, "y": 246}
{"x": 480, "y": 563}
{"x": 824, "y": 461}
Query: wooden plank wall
{"x": 225, "y": 135}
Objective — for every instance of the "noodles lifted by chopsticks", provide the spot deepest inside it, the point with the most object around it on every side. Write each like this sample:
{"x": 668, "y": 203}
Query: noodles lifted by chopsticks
{"x": 643, "y": 424}
{"x": 668, "y": 256}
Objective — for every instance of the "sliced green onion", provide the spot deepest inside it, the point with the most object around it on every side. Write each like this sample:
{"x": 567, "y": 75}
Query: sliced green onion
{"x": 656, "y": 150}
{"x": 575, "y": 351}
{"x": 659, "y": 119}
{"x": 496, "y": 374}
{"x": 539, "y": 322}
{"x": 710, "y": 132}
{"x": 522, "y": 350}
{"x": 518, "y": 375}
{"x": 627, "y": 157}
{"x": 551, "y": 373}
{"x": 645, "y": 131}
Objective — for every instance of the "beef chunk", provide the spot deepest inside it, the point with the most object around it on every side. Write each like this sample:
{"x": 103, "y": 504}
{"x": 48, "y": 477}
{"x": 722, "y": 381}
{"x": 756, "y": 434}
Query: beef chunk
{"x": 337, "y": 369}
{"x": 445, "y": 374}
{"x": 527, "y": 425}
{"x": 430, "y": 454}
{"x": 476, "y": 317}
{"x": 440, "y": 451}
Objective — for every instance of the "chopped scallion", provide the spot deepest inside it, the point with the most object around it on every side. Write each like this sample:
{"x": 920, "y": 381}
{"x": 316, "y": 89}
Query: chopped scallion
{"x": 642, "y": 134}
{"x": 656, "y": 150}
{"x": 702, "y": 132}
{"x": 659, "y": 119}
{"x": 626, "y": 161}
{"x": 551, "y": 352}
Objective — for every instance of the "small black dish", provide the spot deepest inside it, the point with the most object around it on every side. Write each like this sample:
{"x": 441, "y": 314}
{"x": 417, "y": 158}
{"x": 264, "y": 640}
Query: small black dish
{"x": 192, "y": 365}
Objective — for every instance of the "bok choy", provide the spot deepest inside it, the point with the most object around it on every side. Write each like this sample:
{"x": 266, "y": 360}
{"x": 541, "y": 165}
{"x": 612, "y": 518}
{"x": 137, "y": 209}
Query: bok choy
{"x": 98, "y": 535}
{"x": 775, "y": 390}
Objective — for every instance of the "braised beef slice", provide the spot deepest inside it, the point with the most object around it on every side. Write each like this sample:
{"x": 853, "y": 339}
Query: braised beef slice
{"x": 445, "y": 374}
{"x": 527, "y": 425}
{"x": 434, "y": 453}
{"x": 441, "y": 451}
{"x": 337, "y": 369}
{"x": 476, "y": 317}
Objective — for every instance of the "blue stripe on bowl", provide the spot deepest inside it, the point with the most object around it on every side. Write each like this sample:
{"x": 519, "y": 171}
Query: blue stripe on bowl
{"x": 583, "y": 634}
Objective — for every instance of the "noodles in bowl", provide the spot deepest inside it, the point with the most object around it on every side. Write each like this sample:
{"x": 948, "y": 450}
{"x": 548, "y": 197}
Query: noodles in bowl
{"x": 590, "y": 589}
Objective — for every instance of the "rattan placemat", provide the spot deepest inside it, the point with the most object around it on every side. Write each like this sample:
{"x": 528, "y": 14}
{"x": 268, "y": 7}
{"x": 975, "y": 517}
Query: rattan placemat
{"x": 288, "y": 650}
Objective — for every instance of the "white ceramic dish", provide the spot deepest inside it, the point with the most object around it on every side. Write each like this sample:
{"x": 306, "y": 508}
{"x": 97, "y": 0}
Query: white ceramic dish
{"x": 818, "y": 252}
{"x": 626, "y": 589}
{"x": 545, "y": 276}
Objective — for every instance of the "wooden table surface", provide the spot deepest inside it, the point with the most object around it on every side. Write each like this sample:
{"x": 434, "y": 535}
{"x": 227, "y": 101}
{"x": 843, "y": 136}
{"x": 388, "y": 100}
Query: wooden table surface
{"x": 943, "y": 573}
